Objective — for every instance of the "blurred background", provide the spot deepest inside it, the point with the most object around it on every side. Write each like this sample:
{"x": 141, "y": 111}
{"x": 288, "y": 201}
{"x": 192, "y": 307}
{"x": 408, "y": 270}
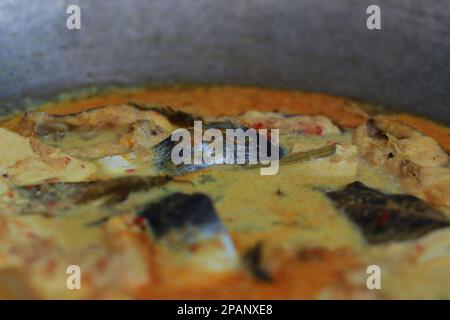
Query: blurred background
{"x": 311, "y": 45}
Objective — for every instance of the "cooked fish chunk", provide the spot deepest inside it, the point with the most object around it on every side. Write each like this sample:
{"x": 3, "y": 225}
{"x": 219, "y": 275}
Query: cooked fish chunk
{"x": 113, "y": 261}
{"x": 398, "y": 143}
{"x": 384, "y": 217}
{"x": 163, "y": 150}
{"x": 185, "y": 221}
{"x": 99, "y": 132}
{"x": 107, "y": 192}
{"x": 180, "y": 211}
{"x": 416, "y": 269}
{"x": 417, "y": 160}
{"x": 289, "y": 124}
{"x": 28, "y": 161}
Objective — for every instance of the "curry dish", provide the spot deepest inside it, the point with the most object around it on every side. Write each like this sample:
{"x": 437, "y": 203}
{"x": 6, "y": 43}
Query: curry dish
{"x": 88, "y": 182}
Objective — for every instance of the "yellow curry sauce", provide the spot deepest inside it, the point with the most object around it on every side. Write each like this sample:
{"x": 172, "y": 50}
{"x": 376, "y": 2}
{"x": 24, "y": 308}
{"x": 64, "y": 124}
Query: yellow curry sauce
{"x": 311, "y": 250}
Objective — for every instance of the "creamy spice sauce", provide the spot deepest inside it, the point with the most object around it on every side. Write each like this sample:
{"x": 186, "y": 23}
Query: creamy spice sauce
{"x": 310, "y": 247}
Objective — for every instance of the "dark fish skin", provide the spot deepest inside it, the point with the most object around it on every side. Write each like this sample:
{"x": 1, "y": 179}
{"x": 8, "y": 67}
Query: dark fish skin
{"x": 387, "y": 217}
{"x": 193, "y": 214}
{"x": 163, "y": 151}
{"x": 116, "y": 189}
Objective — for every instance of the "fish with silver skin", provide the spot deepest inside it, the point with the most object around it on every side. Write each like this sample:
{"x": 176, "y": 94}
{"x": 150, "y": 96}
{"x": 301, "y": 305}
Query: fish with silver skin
{"x": 163, "y": 151}
{"x": 182, "y": 221}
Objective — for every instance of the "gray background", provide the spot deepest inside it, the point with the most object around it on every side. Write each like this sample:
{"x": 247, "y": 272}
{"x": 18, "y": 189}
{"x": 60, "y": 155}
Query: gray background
{"x": 317, "y": 45}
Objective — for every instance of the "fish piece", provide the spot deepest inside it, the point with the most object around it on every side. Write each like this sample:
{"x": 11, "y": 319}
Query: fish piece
{"x": 28, "y": 161}
{"x": 289, "y": 124}
{"x": 114, "y": 190}
{"x": 385, "y": 141}
{"x": 194, "y": 214}
{"x": 98, "y": 132}
{"x": 187, "y": 221}
{"x": 421, "y": 165}
{"x": 387, "y": 217}
{"x": 163, "y": 151}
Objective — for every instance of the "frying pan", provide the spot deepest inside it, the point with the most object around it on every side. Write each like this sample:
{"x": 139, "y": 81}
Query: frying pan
{"x": 312, "y": 45}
